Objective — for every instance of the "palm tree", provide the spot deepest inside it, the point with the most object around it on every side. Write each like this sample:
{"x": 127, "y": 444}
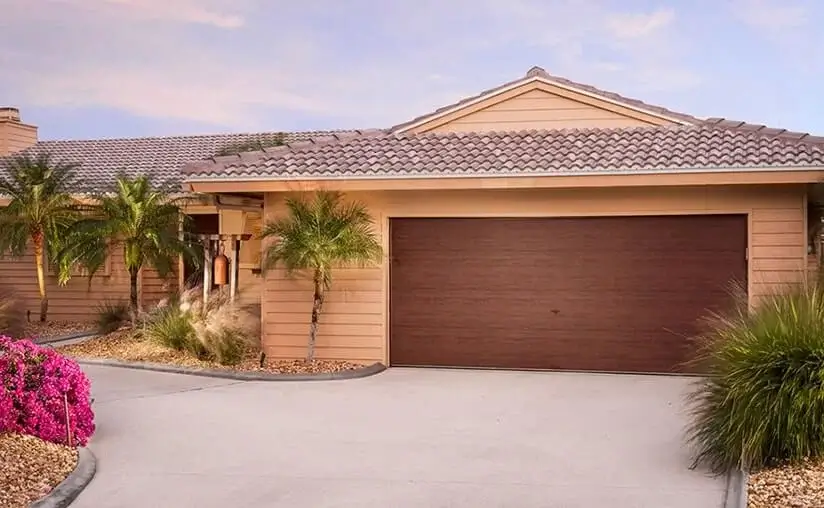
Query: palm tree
{"x": 142, "y": 219}
{"x": 39, "y": 212}
{"x": 316, "y": 236}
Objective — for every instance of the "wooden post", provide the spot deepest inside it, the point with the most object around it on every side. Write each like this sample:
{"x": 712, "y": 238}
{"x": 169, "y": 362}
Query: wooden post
{"x": 233, "y": 259}
{"x": 207, "y": 270}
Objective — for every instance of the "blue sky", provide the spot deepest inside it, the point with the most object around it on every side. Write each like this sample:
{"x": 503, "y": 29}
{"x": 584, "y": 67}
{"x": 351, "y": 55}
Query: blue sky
{"x": 115, "y": 68}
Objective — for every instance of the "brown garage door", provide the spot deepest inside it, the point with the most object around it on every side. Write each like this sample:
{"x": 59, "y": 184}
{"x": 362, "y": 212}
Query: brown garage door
{"x": 604, "y": 293}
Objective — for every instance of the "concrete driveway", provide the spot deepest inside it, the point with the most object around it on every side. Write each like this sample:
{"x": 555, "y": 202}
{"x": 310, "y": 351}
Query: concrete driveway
{"x": 404, "y": 438}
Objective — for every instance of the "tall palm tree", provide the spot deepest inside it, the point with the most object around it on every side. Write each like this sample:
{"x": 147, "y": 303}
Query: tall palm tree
{"x": 39, "y": 212}
{"x": 316, "y": 236}
{"x": 136, "y": 216}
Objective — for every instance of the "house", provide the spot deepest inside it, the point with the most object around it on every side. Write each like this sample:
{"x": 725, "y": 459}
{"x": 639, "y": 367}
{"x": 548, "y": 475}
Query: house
{"x": 99, "y": 162}
{"x": 541, "y": 224}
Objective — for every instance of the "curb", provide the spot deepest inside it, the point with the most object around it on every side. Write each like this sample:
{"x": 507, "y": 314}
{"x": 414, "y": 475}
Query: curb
{"x": 736, "y": 494}
{"x": 68, "y": 490}
{"x": 369, "y": 370}
{"x": 71, "y": 336}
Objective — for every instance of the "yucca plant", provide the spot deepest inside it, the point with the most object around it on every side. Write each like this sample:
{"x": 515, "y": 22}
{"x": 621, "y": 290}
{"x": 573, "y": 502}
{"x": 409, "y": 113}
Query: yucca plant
{"x": 39, "y": 212}
{"x": 317, "y": 235}
{"x": 762, "y": 401}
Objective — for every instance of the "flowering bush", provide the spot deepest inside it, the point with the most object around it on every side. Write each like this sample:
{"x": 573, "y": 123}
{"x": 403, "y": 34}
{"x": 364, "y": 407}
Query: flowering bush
{"x": 33, "y": 382}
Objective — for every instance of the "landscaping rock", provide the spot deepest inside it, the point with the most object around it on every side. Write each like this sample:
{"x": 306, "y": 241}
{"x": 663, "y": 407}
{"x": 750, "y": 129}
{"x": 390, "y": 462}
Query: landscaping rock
{"x": 53, "y": 329}
{"x": 30, "y": 468}
{"x": 125, "y": 346}
{"x": 800, "y": 486}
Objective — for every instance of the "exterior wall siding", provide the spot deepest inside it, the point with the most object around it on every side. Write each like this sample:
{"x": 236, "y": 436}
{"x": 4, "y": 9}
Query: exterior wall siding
{"x": 15, "y": 136}
{"x": 537, "y": 106}
{"x": 354, "y": 321}
{"x": 77, "y": 301}
{"x": 154, "y": 288}
{"x": 538, "y": 109}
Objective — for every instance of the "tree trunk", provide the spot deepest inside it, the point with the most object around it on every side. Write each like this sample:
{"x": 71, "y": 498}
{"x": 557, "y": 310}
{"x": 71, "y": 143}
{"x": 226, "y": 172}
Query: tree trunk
{"x": 317, "y": 303}
{"x": 37, "y": 240}
{"x": 133, "y": 303}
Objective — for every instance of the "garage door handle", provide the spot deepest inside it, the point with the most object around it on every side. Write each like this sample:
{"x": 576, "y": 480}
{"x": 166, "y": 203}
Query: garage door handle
{"x": 555, "y": 311}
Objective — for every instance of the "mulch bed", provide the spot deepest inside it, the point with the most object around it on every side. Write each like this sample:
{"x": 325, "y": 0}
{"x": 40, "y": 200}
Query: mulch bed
{"x": 54, "y": 329}
{"x": 31, "y": 468}
{"x": 800, "y": 486}
{"x": 126, "y": 346}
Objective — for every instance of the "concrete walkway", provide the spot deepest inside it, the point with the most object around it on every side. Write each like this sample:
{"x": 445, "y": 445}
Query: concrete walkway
{"x": 404, "y": 438}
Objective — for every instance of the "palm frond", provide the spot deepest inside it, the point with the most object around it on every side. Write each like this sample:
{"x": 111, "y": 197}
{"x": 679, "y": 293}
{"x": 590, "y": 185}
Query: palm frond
{"x": 319, "y": 234}
{"x": 39, "y": 190}
{"x": 137, "y": 216}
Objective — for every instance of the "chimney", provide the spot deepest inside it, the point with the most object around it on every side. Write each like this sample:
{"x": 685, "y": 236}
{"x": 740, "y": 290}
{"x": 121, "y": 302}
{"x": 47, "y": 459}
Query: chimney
{"x": 15, "y": 135}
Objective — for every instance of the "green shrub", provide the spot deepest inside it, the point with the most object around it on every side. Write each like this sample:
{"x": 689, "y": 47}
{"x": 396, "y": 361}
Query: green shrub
{"x": 763, "y": 400}
{"x": 172, "y": 328}
{"x": 226, "y": 345}
{"x": 111, "y": 315}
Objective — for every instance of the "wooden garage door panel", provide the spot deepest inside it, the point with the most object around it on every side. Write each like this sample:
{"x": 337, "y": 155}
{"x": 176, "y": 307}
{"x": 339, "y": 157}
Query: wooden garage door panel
{"x": 586, "y": 293}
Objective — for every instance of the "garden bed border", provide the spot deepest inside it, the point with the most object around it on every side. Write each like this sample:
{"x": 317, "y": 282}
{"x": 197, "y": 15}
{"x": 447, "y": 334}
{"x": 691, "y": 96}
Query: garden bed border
{"x": 736, "y": 494}
{"x": 67, "y": 491}
{"x": 71, "y": 336}
{"x": 369, "y": 370}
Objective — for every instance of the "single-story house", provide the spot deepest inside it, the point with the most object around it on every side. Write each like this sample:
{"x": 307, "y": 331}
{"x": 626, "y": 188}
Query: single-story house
{"x": 541, "y": 224}
{"x": 99, "y": 162}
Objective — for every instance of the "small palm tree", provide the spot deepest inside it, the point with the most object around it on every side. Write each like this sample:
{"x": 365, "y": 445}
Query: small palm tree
{"x": 40, "y": 211}
{"x": 142, "y": 219}
{"x": 316, "y": 236}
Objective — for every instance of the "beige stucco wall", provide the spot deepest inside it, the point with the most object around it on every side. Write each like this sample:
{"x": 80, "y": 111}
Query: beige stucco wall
{"x": 354, "y": 322}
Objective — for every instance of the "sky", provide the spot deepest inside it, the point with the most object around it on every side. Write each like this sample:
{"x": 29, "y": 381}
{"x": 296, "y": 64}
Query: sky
{"x": 82, "y": 69}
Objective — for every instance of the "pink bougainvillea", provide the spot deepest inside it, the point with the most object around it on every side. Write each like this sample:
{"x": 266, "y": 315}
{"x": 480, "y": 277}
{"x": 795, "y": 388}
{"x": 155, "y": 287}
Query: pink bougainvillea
{"x": 34, "y": 383}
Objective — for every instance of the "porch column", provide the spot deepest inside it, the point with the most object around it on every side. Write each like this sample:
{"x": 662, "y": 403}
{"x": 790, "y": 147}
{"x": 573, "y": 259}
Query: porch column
{"x": 233, "y": 259}
{"x": 207, "y": 269}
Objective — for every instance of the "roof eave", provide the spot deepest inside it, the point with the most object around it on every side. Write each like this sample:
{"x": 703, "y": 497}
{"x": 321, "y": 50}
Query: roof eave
{"x": 750, "y": 175}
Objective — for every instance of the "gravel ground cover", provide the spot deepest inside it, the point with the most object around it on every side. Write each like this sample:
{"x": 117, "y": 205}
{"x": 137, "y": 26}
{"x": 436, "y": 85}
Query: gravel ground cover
{"x": 53, "y": 329}
{"x": 125, "y": 346}
{"x": 30, "y": 468}
{"x": 800, "y": 486}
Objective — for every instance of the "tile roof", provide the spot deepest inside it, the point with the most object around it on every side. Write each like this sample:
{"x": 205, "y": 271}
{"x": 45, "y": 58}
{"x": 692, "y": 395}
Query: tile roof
{"x": 100, "y": 160}
{"x": 540, "y": 73}
{"x": 569, "y": 151}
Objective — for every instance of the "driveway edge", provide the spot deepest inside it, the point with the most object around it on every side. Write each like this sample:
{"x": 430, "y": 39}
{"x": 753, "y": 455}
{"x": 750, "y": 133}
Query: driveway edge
{"x": 369, "y": 370}
{"x": 736, "y": 495}
{"x": 68, "y": 490}
{"x": 70, "y": 336}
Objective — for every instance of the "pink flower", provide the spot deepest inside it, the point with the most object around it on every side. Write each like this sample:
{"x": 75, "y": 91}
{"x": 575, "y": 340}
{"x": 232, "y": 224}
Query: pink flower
{"x": 34, "y": 382}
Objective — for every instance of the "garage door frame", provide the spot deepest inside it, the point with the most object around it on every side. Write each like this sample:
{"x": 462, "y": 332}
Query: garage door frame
{"x": 387, "y": 222}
